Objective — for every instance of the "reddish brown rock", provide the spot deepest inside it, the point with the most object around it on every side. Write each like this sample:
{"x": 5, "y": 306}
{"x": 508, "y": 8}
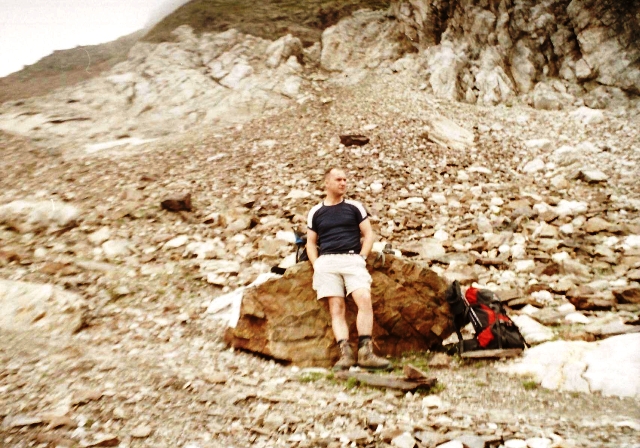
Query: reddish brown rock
{"x": 177, "y": 203}
{"x": 282, "y": 318}
{"x": 354, "y": 140}
{"x": 629, "y": 295}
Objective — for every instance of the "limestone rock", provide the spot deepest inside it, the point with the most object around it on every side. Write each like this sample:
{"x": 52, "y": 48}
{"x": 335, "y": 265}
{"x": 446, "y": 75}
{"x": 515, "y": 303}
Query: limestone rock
{"x": 36, "y": 216}
{"x": 39, "y": 307}
{"x": 611, "y": 366}
{"x": 449, "y": 134}
{"x": 366, "y": 39}
{"x": 282, "y": 318}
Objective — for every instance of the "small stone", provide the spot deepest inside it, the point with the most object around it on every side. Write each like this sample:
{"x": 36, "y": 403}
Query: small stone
{"x": 515, "y": 443}
{"x": 452, "y": 444}
{"x": 100, "y": 236}
{"x": 18, "y": 421}
{"x": 298, "y": 194}
{"x": 141, "y": 432}
{"x": 101, "y": 440}
{"x": 431, "y": 401}
{"x": 593, "y": 176}
{"x": 404, "y": 440}
{"x": 595, "y": 225}
{"x": 176, "y": 242}
{"x": 353, "y": 140}
{"x": 533, "y": 166}
{"x": 440, "y": 360}
{"x": 539, "y": 442}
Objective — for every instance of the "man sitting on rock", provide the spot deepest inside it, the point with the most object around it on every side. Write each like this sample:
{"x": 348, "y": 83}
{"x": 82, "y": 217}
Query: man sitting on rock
{"x": 334, "y": 246}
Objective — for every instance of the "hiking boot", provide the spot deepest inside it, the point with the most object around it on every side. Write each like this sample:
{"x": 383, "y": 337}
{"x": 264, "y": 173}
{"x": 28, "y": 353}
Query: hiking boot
{"x": 368, "y": 360}
{"x": 347, "y": 359}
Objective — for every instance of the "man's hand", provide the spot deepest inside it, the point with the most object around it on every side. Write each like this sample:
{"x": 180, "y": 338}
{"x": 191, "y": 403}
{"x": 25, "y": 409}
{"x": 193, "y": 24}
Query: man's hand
{"x": 367, "y": 238}
{"x": 312, "y": 246}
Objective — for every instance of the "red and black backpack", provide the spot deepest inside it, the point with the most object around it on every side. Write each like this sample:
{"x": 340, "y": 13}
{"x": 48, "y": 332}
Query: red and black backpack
{"x": 493, "y": 328}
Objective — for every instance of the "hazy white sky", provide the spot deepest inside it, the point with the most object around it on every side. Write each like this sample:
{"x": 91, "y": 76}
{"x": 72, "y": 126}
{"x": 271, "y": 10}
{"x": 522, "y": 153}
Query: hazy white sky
{"x": 32, "y": 29}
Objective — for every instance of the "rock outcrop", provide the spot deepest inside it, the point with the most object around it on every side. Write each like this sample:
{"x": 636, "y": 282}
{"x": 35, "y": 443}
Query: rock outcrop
{"x": 488, "y": 52}
{"x": 162, "y": 89}
{"x": 283, "y": 319}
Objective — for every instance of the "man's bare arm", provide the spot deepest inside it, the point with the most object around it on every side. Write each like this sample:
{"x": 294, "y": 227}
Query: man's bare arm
{"x": 367, "y": 237}
{"x": 312, "y": 246}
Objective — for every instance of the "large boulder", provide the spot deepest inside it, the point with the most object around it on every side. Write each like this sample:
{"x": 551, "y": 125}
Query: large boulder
{"x": 282, "y": 318}
{"x": 39, "y": 307}
{"x": 610, "y": 366}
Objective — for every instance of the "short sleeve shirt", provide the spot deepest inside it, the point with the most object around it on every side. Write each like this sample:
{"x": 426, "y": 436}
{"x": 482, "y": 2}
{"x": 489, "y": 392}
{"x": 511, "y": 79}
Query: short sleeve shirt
{"x": 337, "y": 226}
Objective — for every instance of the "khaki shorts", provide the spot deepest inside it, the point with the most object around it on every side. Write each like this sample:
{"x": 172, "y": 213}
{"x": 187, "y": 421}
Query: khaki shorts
{"x": 333, "y": 274}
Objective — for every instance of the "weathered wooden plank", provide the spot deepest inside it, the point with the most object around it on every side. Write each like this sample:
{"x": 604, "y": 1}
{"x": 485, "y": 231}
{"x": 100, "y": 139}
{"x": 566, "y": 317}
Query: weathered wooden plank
{"x": 388, "y": 381}
{"x": 494, "y": 354}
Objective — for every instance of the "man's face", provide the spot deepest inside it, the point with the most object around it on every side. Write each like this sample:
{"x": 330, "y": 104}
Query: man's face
{"x": 336, "y": 182}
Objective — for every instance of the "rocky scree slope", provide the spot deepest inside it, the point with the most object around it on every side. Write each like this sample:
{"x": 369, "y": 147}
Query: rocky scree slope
{"x": 513, "y": 207}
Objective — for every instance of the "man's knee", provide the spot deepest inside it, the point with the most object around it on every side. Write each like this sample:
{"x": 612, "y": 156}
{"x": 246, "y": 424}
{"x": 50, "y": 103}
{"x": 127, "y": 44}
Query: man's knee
{"x": 336, "y": 306}
{"x": 362, "y": 297}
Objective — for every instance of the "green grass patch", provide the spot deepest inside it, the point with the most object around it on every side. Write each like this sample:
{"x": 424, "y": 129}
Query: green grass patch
{"x": 529, "y": 384}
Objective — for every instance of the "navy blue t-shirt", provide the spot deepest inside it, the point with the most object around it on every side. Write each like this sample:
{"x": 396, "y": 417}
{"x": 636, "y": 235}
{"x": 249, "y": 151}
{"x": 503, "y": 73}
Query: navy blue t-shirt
{"x": 337, "y": 226}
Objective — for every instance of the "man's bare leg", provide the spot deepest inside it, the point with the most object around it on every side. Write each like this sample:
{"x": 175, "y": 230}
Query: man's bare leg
{"x": 364, "y": 319}
{"x": 364, "y": 322}
{"x": 339, "y": 325}
{"x": 340, "y": 328}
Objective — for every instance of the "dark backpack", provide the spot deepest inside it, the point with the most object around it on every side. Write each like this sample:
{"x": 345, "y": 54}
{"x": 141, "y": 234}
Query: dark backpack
{"x": 301, "y": 246}
{"x": 493, "y": 328}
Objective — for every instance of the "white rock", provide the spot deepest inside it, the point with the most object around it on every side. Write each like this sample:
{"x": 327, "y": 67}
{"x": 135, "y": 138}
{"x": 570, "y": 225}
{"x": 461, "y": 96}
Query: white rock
{"x": 518, "y": 251}
{"x": 542, "y": 296}
{"x": 588, "y": 116}
{"x": 498, "y": 202}
{"x": 376, "y": 187}
{"x": 462, "y": 176}
{"x": 298, "y": 194}
{"x": 431, "y": 401}
{"x": 202, "y": 249}
{"x": 479, "y": 169}
{"x": 529, "y": 310}
{"x": 559, "y": 257}
{"x": 116, "y": 248}
{"x": 414, "y": 200}
{"x": 532, "y": 331}
{"x": 571, "y": 208}
{"x": 39, "y": 307}
{"x": 525, "y": 266}
{"x": 100, "y": 236}
{"x": 577, "y": 318}
{"x": 610, "y": 366}
{"x": 286, "y": 235}
{"x": 404, "y": 440}
{"x": 176, "y": 242}
{"x": 39, "y": 215}
{"x": 220, "y": 266}
{"x": 484, "y": 225}
{"x": 540, "y": 144}
{"x": 451, "y": 444}
{"x": 439, "y": 198}
{"x": 515, "y": 443}
{"x": 593, "y": 175}
{"x": 533, "y": 166}
{"x": 449, "y": 134}
{"x": 441, "y": 235}
{"x": 567, "y": 229}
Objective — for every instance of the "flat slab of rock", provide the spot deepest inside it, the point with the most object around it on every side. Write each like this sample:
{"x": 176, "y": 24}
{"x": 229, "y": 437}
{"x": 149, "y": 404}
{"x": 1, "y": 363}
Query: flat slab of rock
{"x": 42, "y": 307}
{"x": 389, "y": 381}
{"x": 493, "y": 354}
{"x": 37, "y": 216}
{"x": 283, "y": 319}
{"x": 610, "y": 366}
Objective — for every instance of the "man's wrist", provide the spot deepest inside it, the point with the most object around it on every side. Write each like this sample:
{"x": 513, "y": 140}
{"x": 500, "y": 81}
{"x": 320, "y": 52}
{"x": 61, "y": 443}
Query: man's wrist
{"x": 363, "y": 256}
